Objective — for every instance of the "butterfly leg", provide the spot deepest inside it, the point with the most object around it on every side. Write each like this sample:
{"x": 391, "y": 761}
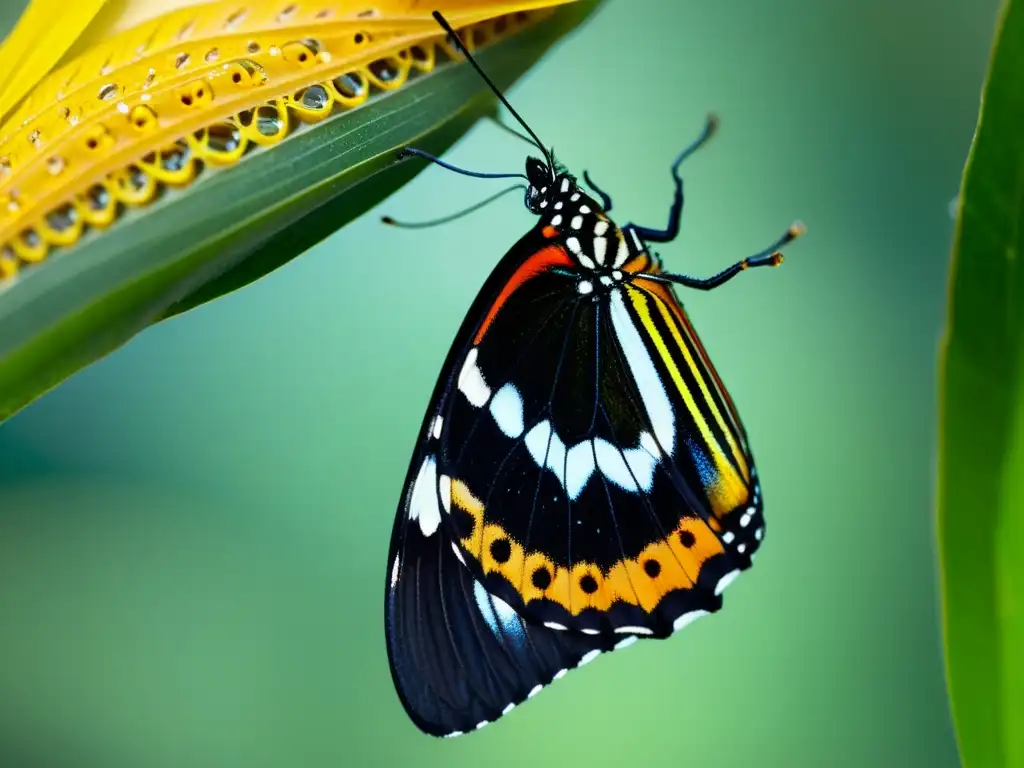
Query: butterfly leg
{"x": 676, "y": 211}
{"x": 769, "y": 257}
{"x": 606, "y": 201}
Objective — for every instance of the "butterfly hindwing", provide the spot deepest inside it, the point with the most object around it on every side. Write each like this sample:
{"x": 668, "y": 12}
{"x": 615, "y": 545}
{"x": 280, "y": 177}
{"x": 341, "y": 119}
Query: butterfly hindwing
{"x": 461, "y": 657}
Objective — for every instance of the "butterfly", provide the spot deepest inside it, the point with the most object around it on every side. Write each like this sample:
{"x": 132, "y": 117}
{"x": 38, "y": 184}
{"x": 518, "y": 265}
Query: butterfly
{"x": 581, "y": 479}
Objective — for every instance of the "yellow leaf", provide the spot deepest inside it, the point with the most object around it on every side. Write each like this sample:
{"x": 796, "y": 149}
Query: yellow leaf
{"x": 37, "y": 43}
{"x": 257, "y": 135}
{"x": 201, "y": 84}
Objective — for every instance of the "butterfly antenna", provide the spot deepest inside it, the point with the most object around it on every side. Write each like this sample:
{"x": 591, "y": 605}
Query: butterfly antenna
{"x": 413, "y": 152}
{"x": 450, "y": 217}
{"x": 509, "y": 129}
{"x": 465, "y": 52}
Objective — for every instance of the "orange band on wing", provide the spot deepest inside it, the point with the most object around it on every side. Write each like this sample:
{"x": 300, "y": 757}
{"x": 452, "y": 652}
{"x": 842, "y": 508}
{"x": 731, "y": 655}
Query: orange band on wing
{"x": 543, "y": 260}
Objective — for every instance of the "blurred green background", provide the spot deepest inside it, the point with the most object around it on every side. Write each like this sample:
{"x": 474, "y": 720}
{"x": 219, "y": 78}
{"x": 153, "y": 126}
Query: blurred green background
{"x": 194, "y": 530}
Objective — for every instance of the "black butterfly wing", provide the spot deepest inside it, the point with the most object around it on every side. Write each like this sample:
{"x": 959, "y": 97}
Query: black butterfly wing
{"x": 548, "y": 493}
{"x": 590, "y": 465}
{"x": 459, "y": 656}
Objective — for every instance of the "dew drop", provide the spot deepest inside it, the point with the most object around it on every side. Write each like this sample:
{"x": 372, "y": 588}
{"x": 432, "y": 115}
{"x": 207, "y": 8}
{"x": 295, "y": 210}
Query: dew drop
{"x": 350, "y": 85}
{"x": 268, "y": 121}
{"x": 63, "y": 218}
{"x": 315, "y": 97}
{"x": 98, "y": 197}
{"x": 223, "y": 137}
{"x": 384, "y": 70}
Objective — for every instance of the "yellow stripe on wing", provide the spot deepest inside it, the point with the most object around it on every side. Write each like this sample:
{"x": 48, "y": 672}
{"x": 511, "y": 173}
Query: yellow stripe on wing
{"x": 672, "y": 322}
{"x": 728, "y": 490}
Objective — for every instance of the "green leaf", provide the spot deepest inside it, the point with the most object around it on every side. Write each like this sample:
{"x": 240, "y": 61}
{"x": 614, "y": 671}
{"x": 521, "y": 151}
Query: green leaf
{"x": 981, "y": 465}
{"x": 240, "y": 223}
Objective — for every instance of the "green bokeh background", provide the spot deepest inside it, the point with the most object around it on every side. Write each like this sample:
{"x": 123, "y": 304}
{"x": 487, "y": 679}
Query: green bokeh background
{"x": 194, "y": 530}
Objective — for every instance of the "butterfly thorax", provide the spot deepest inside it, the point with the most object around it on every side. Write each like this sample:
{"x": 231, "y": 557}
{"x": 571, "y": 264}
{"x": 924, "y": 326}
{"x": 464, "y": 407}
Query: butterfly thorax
{"x": 597, "y": 246}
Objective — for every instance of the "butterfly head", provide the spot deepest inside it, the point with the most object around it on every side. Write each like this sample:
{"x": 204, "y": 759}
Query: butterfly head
{"x": 547, "y": 181}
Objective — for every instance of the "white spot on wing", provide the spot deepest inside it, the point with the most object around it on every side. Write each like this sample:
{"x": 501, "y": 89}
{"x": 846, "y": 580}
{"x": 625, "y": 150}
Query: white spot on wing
{"x": 622, "y": 254}
{"x": 577, "y": 222}
{"x": 589, "y": 656}
{"x": 540, "y": 441}
{"x": 458, "y": 553}
{"x": 626, "y": 642}
{"x": 508, "y": 709}
{"x": 585, "y": 287}
{"x": 600, "y": 248}
{"x": 394, "y": 573}
{"x": 649, "y": 444}
{"x": 600, "y": 227}
{"x": 648, "y": 382}
{"x": 507, "y": 409}
{"x": 534, "y": 691}
{"x": 634, "y": 631}
{"x": 444, "y": 486}
{"x": 621, "y": 467}
{"x": 579, "y": 466}
{"x": 471, "y": 381}
{"x": 511, "y": 624}
{"x": 729, "y": 578}
{"x": 423, "y": 504}
{"x": 483, "y": 603}
{"x": 687, "y": 619}
{"x": 436, "y": 430}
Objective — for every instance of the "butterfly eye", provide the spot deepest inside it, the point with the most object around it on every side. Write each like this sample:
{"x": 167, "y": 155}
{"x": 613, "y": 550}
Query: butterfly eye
{"x": 537, "y": 172}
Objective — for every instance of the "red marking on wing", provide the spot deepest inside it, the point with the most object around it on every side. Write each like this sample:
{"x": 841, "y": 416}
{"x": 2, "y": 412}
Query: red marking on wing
{"x": 540, "y": 262}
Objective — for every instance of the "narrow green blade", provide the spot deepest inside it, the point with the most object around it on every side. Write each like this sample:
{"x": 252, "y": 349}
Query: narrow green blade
{"x": 981, "y": 481}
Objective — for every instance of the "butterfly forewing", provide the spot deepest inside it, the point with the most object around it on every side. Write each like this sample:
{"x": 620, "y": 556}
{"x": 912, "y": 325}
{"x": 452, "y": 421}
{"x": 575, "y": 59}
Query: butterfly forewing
{"x": 589, "y": 464}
